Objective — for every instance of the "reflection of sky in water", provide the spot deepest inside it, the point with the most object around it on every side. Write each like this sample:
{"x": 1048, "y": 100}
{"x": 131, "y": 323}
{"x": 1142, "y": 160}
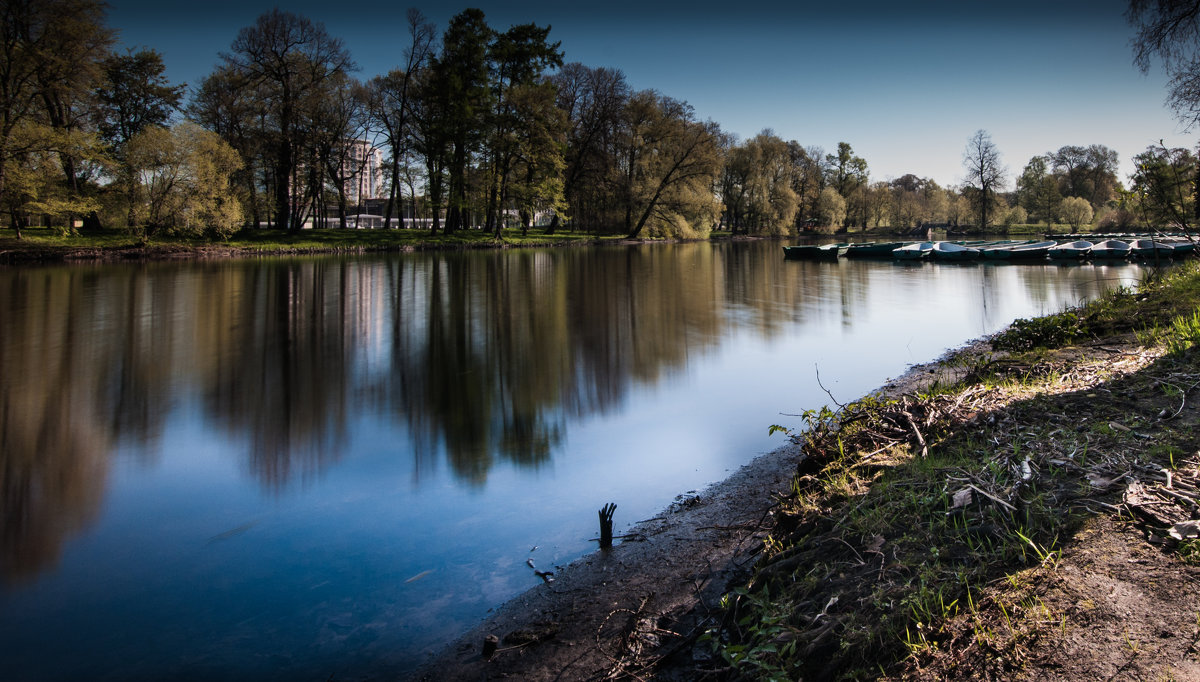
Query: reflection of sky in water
{"x": 195, "y": 565}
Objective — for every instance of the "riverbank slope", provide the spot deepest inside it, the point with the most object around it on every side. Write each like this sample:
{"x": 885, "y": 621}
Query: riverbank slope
{"x": 1024, "y": 509}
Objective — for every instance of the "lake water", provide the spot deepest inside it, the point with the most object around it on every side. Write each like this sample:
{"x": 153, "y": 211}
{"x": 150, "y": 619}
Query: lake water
{"x": 315, "y": 467}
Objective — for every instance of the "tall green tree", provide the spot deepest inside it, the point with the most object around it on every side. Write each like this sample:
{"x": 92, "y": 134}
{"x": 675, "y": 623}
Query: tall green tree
{"x": 831, "y": 209}
{"x": 460, "y": 75}
{"x": 808, "y": 178}
{"x": 594, "y": 101}
{"x": 431, "y": 139}
{"x": 669, "y": 164}
{"x": 848, "y": 174}
{"x": 1037, "y": 190}
{"x": 134, "y": 95}
{"x": 517, "y": 58}
{"x": 50, "y": 55}
{"x": 226, "y": 104}
{"x": 734, "y": 184}
{"x": 907, "y": 205}
{"x": 70, "y": 68}
{"x": 757, "y": 185}
{"x": 1089, "y": 172}
{"x": 536, "y": 185}
{"x": 1162, "y": 186}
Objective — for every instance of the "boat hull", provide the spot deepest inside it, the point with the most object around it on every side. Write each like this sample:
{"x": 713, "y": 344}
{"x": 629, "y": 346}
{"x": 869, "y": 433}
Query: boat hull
{"x": 872, "y": 250}
{"x": 1077, "y": 250}
{"x": 917, "y": 251}
{"x": 953, "y": 253}
{"x": 1146, "y": 249}
{"x": 825, "y": 252}
{"x": 1112, "y": 249}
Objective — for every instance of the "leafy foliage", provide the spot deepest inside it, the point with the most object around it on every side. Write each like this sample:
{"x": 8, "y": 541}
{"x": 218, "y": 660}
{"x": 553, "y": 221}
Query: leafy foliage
{"x": 1075, "y": 211}
{"x": 183, "y": 181}
{"x": 1041, "y": 332}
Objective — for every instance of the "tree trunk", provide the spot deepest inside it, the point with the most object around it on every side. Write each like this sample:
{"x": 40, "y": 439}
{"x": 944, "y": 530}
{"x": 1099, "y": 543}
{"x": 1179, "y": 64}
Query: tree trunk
{"x": 91, "y": 222}
{"x": 284, "y": 181}
{"x": 393, "y": 194}
{"x": 17, "y": 220}
{"x": 1196, "y": 193}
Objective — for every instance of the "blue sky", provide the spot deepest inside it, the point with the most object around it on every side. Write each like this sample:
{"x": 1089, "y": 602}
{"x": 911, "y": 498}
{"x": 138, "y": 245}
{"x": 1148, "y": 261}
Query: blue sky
{"x": 905, "y": 85}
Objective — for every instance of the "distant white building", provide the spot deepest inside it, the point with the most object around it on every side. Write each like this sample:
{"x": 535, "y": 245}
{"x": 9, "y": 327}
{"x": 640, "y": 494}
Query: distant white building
{"x": 365, "y": 172}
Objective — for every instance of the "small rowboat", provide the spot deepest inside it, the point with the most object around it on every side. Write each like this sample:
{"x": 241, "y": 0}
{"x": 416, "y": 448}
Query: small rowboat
{"x": 799, "y": 252}
{"x": 915, "y": 251}
{"x": 1182, "y": 248}
{"x": 949, "y": 251}
{"x": 872, "y": 249}
{"x": 1149, "y": 249}
{"x": 1112, "y": 249}
{"x": 1076, "y": 250}
{"x": 810, "y": 252}
{"x": 1000, "y": 250}
{"x": 1031, "y": 252}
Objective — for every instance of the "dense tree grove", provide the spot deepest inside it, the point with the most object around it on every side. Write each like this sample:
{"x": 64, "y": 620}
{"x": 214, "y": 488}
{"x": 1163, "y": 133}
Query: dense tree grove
{"x": 478, "y": 128}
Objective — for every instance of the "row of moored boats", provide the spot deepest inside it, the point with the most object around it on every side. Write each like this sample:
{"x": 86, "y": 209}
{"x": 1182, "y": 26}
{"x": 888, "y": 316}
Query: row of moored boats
{"x": 1005, "y": 250}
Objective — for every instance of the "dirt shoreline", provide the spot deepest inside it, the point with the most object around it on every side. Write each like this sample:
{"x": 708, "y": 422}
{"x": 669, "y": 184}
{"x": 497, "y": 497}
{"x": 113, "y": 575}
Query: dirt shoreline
{"x": 644, "y": 602}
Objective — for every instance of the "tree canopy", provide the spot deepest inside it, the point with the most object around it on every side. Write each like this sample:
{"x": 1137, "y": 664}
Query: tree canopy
{"x": 477, "y": 127}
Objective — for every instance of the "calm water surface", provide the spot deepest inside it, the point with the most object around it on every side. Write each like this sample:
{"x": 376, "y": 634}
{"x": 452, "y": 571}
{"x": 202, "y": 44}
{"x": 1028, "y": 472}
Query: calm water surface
{"x": 279, "y": 469}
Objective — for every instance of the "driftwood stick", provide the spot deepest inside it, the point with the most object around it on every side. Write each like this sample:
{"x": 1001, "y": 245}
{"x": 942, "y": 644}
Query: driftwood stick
{"x": 917, "y": 432}
{"x": 991, "y": 497}
{"x": 606, "y": 524}
{"x": 835, "y": 402}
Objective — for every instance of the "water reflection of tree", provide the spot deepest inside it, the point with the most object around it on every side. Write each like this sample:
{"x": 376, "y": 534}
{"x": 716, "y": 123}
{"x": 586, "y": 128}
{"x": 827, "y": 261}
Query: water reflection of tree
{"x": 479, "y": 378}
{"x": 477, "y": 358}
{"x": 281, "y": 369}
{"x": 54, "y": 439}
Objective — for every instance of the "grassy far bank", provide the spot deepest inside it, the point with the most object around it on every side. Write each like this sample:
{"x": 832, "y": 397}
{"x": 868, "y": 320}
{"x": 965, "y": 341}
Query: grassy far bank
{"x": 962, "y": 532}
{"x": 49, "y": 244}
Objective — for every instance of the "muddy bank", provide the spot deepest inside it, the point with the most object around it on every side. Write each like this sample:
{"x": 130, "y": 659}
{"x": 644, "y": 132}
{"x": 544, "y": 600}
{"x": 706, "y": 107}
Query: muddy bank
{"x": 644, "y": 604}
{"x": 631, "y": 606}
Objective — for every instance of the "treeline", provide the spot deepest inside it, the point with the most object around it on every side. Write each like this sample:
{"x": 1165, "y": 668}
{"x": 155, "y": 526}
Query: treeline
{"x": 480, "y": 129}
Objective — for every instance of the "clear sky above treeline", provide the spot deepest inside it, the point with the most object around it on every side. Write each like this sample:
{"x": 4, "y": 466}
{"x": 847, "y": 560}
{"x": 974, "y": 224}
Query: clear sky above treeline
{"x": 906, "y": 84}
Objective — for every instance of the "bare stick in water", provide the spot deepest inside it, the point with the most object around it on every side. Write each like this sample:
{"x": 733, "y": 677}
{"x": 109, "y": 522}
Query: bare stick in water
{"x": 606, "y": 523}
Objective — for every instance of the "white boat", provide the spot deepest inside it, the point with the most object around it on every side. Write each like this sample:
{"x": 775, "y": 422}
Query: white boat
{"x": 1112, "y": 249}
{"x": 1150, "y": 249}
{"x": 1076, "y": 250}
{"x": 1023, "y": 252}
{"x": 949, "y": 251}
{"x": 915, "y": 251}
